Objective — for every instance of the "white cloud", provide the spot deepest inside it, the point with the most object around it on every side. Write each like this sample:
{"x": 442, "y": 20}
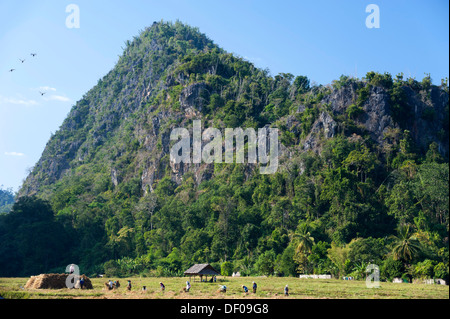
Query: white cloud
{"x": 30, "y": 102}
{"x": 53, "y": 97}
{"x": 14, "y": 154}
{"x": 8, "y": 100}
{"x": 47, "y": 88}
{"x": 58, "y": 98}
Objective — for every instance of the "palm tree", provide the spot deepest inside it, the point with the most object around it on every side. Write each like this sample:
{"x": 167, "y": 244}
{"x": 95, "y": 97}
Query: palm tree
{"x": 406, "y": 245}
{"x": 305, "y": 243}
{"x": 304, "y": 239}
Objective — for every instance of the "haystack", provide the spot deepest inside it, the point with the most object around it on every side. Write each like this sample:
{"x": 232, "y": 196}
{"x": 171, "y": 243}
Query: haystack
{"x": 53, "y": 281}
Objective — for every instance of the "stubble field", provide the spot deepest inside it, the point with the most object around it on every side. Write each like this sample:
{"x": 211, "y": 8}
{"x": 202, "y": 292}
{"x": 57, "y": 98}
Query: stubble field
{"x": 268, "y": 287}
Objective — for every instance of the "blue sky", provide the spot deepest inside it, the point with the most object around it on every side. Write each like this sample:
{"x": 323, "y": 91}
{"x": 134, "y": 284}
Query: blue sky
{"x": 320, "y": 39}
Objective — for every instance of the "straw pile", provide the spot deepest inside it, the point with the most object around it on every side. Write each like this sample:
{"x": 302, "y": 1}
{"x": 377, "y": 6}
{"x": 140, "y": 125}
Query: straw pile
{"x": 54, "y": 281}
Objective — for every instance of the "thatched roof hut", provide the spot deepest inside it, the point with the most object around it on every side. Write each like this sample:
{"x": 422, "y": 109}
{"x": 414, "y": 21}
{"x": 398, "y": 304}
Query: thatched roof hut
{"x": 201, "y": 270}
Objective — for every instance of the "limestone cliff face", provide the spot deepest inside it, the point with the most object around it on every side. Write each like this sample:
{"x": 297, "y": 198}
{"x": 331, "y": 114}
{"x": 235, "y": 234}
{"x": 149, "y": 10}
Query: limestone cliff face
{"x": 120, "y": 130}
{"x": 428, "y": 111}
{"x": 324, "y": 125}
{"x": 193, "y": 98}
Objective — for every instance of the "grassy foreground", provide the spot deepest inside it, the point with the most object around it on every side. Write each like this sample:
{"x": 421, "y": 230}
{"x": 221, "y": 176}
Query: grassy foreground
{"x": 271, "y": 287}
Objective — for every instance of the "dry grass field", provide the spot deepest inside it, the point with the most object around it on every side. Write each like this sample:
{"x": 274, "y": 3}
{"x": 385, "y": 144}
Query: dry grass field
{"x": 270, "y": 288}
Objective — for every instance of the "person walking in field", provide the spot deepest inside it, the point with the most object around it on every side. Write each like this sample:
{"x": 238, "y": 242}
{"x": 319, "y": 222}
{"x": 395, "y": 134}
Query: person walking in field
{"x": 162, "y": 286}
{"x": 286, "y": 290}
{"x": 129, "y": 285}
{"x": 188, "y": 286}
{"x": 254, "y": 287}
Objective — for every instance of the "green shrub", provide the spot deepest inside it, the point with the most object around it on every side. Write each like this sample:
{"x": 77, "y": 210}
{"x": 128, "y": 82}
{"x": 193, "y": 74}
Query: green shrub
{"x": 226, "y": 269}
{"x": 353, "y": 111}
{"x": 392, "y": 269}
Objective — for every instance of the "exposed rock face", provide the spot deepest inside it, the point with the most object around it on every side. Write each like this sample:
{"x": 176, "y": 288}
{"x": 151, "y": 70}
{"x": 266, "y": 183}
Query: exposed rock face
{"x": 201, "y": 172}
{"x": 194, "y": 97}
{"x": 123, "y": 124}
{"x": 324, "y": 125}
{"x": 429, "y": 114}
{"x": 114, "y": 177}
{"x": 147, "y": 178}
{"x": 340, "y": 99}
{"x": 376, "y": 117}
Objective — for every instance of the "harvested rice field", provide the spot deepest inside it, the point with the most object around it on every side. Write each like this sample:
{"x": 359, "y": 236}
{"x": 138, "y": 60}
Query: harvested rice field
{"x": 268, "y": 288}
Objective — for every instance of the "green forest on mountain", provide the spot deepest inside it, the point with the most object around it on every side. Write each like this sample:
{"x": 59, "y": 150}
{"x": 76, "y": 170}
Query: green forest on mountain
{"x": 352, "y": 203}
{"x": 6, "y": 200}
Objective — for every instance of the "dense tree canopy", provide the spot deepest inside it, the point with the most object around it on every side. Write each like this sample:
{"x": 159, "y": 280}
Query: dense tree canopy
{"x": 332, "y": 211}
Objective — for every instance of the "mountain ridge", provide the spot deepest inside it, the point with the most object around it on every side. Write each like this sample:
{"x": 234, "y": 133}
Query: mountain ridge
{"x": 348, "y": 152}
{"x": 191, "y": 94}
